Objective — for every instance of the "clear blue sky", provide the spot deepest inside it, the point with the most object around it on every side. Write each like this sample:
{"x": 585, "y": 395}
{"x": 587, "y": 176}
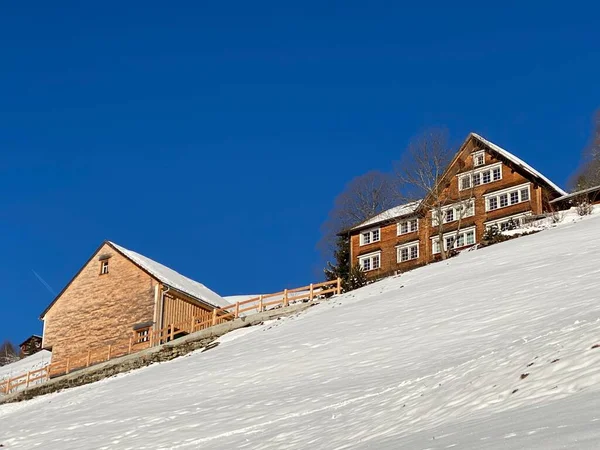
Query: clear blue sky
{"x": 214, "y": 136}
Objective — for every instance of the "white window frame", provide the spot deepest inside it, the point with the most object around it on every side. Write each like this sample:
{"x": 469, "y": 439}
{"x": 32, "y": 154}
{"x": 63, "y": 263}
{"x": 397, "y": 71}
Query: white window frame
{"x": 456, "y": 213}
{"x": 408, "y": 246}
{"x": 462, "y": 232}
{"x": 471, "y": 174}
{"x": 104, "y": 267}
{"x": 508, "y": 191}
{"x": 491, "y": 223}
{"x": 476, "y": 156}
{"x": 370, "y": 257}
{"x": 412, "y": 226}
{"x": 370, "y": 233}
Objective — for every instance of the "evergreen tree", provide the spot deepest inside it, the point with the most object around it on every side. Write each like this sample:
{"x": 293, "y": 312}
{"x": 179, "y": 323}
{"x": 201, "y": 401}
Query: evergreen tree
{"x": 341, "y": 268}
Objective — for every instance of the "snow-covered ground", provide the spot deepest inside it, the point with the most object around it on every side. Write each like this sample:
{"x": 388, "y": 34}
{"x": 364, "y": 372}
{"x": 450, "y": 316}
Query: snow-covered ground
{"x": 492, "y": 349}
{"x": 33, "y": 362}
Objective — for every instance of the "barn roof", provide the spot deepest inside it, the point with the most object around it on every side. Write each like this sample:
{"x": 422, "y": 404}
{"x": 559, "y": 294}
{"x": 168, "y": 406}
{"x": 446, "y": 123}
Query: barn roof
{"x": 161, "y": 273}
{"x": 173, "y": 279}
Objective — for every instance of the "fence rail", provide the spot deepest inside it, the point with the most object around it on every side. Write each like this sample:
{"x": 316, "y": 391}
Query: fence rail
{"x": 153, "y": 337}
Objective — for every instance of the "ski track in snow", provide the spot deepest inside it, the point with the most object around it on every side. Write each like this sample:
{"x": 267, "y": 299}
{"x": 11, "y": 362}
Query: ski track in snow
{"x": 492, "y": 349}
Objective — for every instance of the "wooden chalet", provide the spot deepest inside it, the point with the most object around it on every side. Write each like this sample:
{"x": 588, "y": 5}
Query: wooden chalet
{"x": 116, "y": 294}
{"x": 484, "y": 186}
{"x": 31, "y": 345}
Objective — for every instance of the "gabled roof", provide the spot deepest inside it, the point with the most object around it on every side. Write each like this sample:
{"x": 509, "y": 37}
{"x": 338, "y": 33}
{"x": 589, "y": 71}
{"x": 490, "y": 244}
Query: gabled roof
{"x": 393, "y": 213}
{"x": 171, "y": 278}
{"x": 161, "y": 273}
{"x": 519, "y": 162}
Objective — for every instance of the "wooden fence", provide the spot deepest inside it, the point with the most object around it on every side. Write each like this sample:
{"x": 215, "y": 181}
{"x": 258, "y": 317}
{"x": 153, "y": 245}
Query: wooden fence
{"x": 140, "y": 340}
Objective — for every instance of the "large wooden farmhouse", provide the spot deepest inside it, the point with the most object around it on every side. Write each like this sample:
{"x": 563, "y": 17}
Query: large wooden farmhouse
{"x": 483, "y": 186}
{"x": 118, "y": 292}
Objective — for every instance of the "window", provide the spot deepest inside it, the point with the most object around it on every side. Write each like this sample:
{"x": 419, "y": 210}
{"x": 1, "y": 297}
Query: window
{"x": 508, "y": 197}
{"x": 408, "y": 252}
{"x": 455, "y": 212}
{"x": 371, "y": 261}
{"x": 368, "y": 237}
{"x": 455, "y": 240}
{"x": 104, "y": 267}
{"x": 480, "y": 176}
{"x": 514, "y": 197}
{"x": 408, "y": 226}
{"x": 508, "y": 223}
{"x": 478, "y": 159}
{"x": 496, "y": 174}
{"x": 465, "y": 183}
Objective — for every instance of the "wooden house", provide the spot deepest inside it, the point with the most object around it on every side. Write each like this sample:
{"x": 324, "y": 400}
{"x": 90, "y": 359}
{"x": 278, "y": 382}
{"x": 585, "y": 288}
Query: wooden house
{"x": 118, "y": 293}
{"x": 31, "y": 345}
{"x": 484, "y": 186}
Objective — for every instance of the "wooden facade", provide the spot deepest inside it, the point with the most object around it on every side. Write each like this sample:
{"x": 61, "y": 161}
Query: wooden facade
{"x": 118, "y": 294}
{"x": 483, "y": 186}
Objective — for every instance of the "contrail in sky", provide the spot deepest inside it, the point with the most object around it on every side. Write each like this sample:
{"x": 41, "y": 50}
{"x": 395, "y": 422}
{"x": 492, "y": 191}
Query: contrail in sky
{"x": 46, "y": 285}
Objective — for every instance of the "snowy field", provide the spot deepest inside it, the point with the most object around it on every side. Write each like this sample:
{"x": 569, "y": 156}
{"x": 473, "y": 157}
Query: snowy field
{"x": 489, "y": 350}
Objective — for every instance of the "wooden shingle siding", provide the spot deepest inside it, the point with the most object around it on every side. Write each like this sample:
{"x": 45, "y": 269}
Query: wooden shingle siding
{"x": 96, "y": 309}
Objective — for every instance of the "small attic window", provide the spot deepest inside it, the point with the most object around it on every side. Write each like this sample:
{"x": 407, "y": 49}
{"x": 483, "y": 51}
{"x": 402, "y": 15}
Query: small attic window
{"x": 479, "y": 158}
{"x": 104, "y": 267}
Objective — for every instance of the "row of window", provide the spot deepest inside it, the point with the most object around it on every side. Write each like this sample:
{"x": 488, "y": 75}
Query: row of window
{"x": 454, "y": 212}
{"x": 405, "y": 227}
{"x": 507, "y": 198}
{"x": 404, "y": 253}
{"x": 479, "y": 177}
{"x": 454, "y": 240}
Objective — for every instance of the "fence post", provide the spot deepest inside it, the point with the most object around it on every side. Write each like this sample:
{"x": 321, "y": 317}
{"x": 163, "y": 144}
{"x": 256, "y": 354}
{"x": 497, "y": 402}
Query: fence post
{"x": 109, "y": 349}
{"x": 339, "y": 286}
{"x": 7, "y": 388}
{"x": 48, "y": 368}
{"x": 312, "y": 292}
{"x": 68, "y": 365}
{"x": 130, "y": 344}
{"x": 260, "y": 303}
{"x": 88, "y": 358}
{"x": 214, "y": 317}
{"x": 285, "y": 297}
{"x": 172, "y": 332}
{"x": 237, "y": 310}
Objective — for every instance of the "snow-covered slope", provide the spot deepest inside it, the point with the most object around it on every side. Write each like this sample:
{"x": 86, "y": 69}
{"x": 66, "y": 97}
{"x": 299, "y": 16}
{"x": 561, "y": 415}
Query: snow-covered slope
{"x": 33, "y": 362}
{"x": 490, "y": 350}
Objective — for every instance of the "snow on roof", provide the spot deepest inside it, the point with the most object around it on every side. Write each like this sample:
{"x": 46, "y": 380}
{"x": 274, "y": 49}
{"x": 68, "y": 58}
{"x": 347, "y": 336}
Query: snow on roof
{"x": 392, "y": 213}
{"x": 173, "y": 279}
{"x": 519, "y": 162}
{"x": 575, "y": 194}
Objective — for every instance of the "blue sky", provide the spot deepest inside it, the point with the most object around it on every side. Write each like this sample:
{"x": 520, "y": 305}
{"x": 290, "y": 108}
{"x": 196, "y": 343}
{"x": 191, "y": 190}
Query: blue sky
{"x": 214, "y": 136}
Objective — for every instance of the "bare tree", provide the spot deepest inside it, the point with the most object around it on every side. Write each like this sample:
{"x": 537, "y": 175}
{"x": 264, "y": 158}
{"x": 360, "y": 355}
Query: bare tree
{"x": 421, "y": 175}
{"x": 588, "y": 174}
{"x": 8, "y": 353}
{"x": 362, "y": 198}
